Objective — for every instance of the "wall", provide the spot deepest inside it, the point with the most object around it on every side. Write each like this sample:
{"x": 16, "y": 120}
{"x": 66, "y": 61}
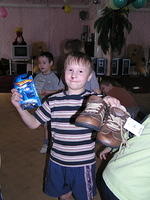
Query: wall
{"x": 50, "y": 25}
{"x": 140, "y": 33}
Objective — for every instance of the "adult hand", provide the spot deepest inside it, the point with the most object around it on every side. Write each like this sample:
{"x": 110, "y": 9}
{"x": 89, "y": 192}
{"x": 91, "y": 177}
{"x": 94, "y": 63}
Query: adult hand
{"x": 97, "y": 91}
{"x": 103, "y": 154}
{"x": 113, "y": 102}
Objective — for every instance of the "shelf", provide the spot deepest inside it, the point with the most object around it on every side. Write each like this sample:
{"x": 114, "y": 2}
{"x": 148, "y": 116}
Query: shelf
{"x": 20, "y": 66}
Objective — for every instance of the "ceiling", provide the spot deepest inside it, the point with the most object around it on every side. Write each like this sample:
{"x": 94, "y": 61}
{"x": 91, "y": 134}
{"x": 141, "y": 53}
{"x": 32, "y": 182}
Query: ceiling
{"x": 53, "y": 3}
{"x": 45, "y": 2}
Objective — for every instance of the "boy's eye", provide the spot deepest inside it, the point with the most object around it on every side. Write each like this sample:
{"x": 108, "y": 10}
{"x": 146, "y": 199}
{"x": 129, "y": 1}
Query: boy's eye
{"x": 70, "y": 70}
{"x": 81, "y": 71}
{"x": 41, "y": 63}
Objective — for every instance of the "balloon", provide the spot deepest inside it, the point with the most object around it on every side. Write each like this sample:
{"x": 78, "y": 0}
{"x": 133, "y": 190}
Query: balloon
{"x": 120, "y": 3}
{"x": 112, "y": 5}
{"x": 3, "y": 12}
{"x": 138, "y": 3}
{"x": 117, "y": 4}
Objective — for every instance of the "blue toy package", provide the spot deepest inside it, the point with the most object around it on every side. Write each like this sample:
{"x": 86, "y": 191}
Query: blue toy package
{"x": 25, "y": 85}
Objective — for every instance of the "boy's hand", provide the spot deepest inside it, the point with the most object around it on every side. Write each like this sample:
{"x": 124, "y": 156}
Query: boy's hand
{"x": 26, "y": 116}
{"x": 15, "y": 98}
{"x": 103, "y": 154}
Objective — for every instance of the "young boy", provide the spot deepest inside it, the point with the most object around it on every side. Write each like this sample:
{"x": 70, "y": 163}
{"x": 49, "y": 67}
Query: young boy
{"x": 46, "y": 82}
{"x": 76, "y": 45}
{"x": 71, "y": 168}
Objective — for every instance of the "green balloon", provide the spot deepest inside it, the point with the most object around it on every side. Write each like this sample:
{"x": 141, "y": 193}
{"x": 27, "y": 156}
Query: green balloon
{"x": 138, "y": 3}
{"x": 120, "y": 3}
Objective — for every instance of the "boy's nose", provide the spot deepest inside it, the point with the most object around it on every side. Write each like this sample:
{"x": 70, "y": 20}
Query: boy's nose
{"x": 74, "y": 74}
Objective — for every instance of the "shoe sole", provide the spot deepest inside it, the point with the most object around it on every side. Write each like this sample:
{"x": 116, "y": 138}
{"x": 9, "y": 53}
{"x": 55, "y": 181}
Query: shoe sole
{"x": 88, "y": 122}
{"x": 108, "y": 140}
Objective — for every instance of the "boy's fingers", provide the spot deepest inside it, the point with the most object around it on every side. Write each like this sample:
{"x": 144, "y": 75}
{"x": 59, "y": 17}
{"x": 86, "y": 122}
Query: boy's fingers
{"x": 13, "y": 90}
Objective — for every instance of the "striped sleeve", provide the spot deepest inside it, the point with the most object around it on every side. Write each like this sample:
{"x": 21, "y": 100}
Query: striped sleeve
{"x": 43, "y": 113}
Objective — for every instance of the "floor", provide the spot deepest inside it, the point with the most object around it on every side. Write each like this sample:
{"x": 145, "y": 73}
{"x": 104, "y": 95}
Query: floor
{"x": 22, "y": 167}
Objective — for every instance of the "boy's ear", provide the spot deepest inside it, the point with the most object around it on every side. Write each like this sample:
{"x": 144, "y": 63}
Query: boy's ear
{"x": 90, "y": 76}
{"x": 51, "y": 63}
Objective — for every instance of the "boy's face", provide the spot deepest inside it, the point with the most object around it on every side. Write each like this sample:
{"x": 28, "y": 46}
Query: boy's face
{"x": 44, "y": 64}
{"x": 76, "y": 76}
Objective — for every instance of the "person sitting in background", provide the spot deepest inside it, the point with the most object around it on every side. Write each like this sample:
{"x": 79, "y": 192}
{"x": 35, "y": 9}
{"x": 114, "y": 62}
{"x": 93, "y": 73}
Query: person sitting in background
{"x": 76, "y": 45}
{"x": 110, "y": 87}
{"x": 46, "y": 83}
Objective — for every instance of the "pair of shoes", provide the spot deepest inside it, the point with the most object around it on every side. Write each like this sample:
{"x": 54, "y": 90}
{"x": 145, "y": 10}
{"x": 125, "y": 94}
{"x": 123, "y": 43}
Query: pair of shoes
{"x": 44, "y": 148}
{"x": 108, "y": 121}
{"x": 92, "y": 116}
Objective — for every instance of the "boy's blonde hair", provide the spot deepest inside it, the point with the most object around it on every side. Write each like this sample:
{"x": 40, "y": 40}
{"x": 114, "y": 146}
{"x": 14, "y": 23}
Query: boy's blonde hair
{"x": 78, "y": 58}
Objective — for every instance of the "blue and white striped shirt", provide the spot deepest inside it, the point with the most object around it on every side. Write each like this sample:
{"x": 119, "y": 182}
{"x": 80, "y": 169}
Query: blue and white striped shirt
{"x": 72, "y": 146}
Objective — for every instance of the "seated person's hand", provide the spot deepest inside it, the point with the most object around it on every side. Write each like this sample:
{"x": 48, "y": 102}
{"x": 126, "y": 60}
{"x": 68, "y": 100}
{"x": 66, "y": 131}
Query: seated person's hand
{"x": 103, "y": 154}
{"x": 43, "y": 93}
{"x": 46, "y": 92}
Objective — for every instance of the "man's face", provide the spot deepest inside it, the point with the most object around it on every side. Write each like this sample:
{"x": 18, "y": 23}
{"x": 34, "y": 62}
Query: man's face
{"x": 76, "y": 76}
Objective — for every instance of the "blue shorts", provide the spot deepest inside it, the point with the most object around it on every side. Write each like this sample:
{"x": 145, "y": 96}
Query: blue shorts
{"x": 1, "y": 198}
{"x": 60, "y": 180}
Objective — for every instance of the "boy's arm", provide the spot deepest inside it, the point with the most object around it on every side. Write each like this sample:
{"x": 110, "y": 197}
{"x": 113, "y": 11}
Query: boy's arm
{"x": 26, "y": 116}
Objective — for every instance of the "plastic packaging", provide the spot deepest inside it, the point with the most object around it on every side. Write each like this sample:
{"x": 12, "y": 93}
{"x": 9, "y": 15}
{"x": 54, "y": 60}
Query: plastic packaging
{"x": 25, "y": 85}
